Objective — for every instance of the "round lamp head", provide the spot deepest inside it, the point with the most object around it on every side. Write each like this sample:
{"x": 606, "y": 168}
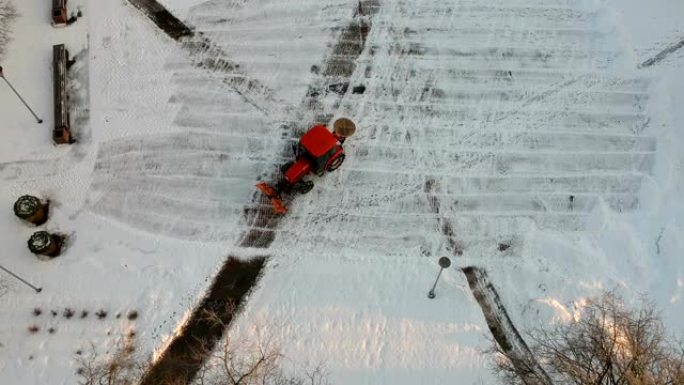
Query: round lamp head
{"x": 444, "y": 262}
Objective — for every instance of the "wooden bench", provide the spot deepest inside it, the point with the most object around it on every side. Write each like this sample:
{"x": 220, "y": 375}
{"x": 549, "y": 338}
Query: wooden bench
{"x": 62, "y": 131}
{"x": 59, "y": 11}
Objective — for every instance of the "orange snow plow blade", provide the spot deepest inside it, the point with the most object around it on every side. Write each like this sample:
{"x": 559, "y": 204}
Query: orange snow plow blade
{"x": 267, "y": 189}
{"x": 278, "y": 205}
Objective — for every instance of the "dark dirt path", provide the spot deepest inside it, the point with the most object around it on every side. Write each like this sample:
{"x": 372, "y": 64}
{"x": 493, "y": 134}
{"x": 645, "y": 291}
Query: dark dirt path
{"x": 662, "y": 54}
{"x": 506, "y": 335}
{"x": 189, "y": 349}
{"x": 168, "y": 23}
{"x": 431, "y": 189}
{"x": 208, "y": 55}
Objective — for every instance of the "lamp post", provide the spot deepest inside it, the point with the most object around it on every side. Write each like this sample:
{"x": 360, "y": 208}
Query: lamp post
{"x": 444, "y": 262}
{"x": 2, "y": 75}
{"x": 37, "y": 289}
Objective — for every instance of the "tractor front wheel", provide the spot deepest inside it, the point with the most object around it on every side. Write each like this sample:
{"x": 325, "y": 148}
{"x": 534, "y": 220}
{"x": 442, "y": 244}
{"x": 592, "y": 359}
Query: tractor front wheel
{"x": 304, "y": 186}
{"x": 283, "y": 187}
{"x": 336, "y": 163}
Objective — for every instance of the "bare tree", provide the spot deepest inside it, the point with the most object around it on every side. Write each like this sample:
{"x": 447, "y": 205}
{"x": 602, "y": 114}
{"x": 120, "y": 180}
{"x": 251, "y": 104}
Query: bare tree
{"x": 254, "y": 361}
{"x": 608, "y": 345}
{"x": 236, "y": 361}
{"x": 122, "y": 367}
{"x": 7, "y": 15}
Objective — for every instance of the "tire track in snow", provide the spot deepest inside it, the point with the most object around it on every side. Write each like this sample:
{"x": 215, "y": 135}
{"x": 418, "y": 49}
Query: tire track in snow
{"x": 662, "y": 54}
{"x": 207, "y": 54}
{"x": 16, "y": 170}
{"x": 210, "y": 56}
{"x": 453, "y": 245}
{"x": 506, "y": 335}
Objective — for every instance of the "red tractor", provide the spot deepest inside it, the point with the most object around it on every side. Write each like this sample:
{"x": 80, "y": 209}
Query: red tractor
{"x": 318, "y": 151}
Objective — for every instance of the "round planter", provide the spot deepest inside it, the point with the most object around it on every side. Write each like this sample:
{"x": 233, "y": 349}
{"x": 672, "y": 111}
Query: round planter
{"x": 31, "y": 209}
{"x": 44, "y": 243}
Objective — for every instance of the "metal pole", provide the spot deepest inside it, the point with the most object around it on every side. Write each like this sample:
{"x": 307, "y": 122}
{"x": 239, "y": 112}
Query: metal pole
{"x": 431, "y": 293}
{"x": 444, "y": 262}
{"x": 2, "y": 75}
{"x": 37, "y": 289}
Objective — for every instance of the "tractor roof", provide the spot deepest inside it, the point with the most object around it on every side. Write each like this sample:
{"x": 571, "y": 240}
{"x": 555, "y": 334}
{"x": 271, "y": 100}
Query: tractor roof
{"x": 318, "y": 140}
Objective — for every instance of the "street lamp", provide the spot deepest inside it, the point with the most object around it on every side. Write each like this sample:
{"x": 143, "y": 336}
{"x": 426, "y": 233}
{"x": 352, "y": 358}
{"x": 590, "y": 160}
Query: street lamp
{"x": 2, "y": 75}
{"x": 444, "y": 262}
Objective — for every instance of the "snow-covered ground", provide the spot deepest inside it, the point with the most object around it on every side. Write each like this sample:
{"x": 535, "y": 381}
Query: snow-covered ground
{"x": 525, "y": 123}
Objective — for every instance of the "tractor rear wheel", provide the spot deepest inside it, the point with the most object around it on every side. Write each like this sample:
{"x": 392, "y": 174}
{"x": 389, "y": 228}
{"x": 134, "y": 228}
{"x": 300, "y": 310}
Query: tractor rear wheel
{"x": 304, "y": 186}
{"x": 336, "y": 163}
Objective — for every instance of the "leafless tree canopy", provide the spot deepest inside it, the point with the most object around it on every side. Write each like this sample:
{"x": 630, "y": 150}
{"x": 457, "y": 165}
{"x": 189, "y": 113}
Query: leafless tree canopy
{"x": 122, "y": 367}
{"x": 246, "y": 361}
{"x": 7, "y": 15}
{"x": 608, "y": 345}
{"x": 254, "y": 362}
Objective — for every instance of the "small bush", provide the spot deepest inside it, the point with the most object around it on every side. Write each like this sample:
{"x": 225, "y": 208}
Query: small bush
{"x": 68, "y": 313}
{"x": 122, "y": 367}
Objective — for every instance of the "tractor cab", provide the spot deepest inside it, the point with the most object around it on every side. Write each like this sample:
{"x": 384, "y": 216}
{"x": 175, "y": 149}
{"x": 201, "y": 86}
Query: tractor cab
{"x": 318, "y": 146}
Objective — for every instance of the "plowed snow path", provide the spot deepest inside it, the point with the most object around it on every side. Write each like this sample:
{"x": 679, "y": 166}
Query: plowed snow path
{"x": 508, "y": 106}
{"x": 520, "y": 111}
{"x": 196, "y": 181}
{"x": 514, "y": 109}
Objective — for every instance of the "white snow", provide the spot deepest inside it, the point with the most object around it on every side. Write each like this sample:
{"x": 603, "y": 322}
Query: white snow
{"x": 510, "y": 107}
